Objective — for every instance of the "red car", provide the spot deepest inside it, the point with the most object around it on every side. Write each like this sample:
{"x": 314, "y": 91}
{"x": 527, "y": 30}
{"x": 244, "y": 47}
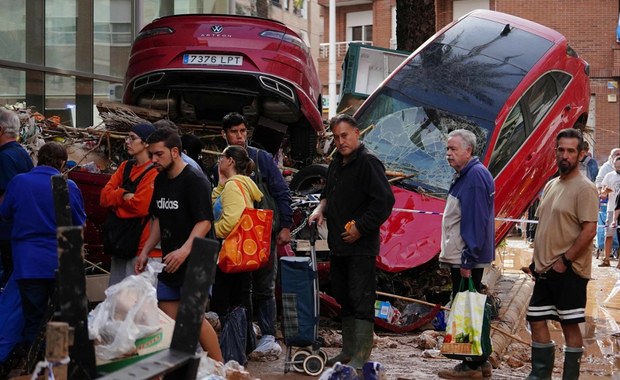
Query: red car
{"x": 200, "y": 67}
{"x": 512, "y": 82}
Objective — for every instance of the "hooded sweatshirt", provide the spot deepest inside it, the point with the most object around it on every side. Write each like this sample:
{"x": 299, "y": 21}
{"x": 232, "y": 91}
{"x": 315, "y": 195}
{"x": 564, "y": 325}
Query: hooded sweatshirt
{"x": 229, "y": 201}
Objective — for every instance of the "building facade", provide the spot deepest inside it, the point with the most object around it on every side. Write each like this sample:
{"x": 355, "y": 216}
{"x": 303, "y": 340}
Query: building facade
{"x": 63, "y": 56}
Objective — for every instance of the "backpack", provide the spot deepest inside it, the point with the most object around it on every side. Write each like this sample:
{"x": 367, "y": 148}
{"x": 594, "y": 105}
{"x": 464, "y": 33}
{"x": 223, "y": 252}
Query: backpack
{"x": 267, "y": 202}
{"x": 121, "y": 236}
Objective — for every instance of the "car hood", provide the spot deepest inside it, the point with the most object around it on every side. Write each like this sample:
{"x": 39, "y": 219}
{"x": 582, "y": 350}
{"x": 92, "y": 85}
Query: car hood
{"x": 411, "y": 236}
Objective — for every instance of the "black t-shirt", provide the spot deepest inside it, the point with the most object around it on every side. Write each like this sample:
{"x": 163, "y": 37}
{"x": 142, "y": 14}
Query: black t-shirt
{"x": 179, "y": 203}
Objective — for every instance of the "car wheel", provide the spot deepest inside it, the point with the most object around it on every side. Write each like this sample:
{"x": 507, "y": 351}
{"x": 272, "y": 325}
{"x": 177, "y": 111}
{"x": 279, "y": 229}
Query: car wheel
{"x": 310, "y": 179}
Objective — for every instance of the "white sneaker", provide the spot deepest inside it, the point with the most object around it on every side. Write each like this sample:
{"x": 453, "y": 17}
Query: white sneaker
{"x": 267, "y": 349}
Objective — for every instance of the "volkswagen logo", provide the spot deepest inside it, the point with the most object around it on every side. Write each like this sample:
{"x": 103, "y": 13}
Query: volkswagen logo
{"x": 217, "y": 29}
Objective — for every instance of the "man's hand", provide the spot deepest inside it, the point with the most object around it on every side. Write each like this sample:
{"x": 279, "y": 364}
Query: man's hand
{"x": 317, "y": 214}
{"x": 284, "y": 237}
{"x": 140, "y": 264}
{"x": 465, "y": 273}
{"x": 559, "y": 266}
{"x": 127, "y": 196}
{"x": 174, "y": 259}
{"x": 351, "y": 235}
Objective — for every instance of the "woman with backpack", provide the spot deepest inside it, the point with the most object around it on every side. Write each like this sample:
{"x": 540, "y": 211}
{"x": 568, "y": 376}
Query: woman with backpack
{"x": 128, "y": 195}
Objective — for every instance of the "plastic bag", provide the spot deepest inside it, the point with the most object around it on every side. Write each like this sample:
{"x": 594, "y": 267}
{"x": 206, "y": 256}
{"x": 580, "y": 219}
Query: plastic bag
{"x": 129, "y": 312}
{"x": 233, "y": 338}
{"x": 468, "y": 327}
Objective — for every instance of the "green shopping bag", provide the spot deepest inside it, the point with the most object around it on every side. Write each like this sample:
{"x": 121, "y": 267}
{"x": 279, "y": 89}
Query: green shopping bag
{"x": 469, "y": 326}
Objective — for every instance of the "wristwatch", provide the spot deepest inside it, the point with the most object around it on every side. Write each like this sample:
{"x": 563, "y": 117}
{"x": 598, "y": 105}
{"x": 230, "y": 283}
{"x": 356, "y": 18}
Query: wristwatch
{"x": 567, "y": 262}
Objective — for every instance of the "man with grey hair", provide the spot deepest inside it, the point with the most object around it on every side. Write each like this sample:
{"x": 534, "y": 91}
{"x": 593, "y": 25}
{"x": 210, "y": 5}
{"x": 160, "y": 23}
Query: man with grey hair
{"x": 13, "y": 160}
{"x": 467, "y": 230}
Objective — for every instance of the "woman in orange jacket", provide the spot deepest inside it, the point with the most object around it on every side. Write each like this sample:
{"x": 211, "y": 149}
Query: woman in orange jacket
{"x": 135, "y": 204}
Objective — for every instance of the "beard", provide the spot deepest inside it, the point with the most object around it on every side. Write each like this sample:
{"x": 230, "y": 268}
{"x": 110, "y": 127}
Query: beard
{"x": 163, "y": 168}
{"x": 566, "y": 167}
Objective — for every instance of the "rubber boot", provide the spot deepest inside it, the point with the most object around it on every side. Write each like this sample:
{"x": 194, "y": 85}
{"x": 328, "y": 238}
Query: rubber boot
{"x": 543, "y": 356}
{"x": 363, "y": 343}
{"x": 348, "y": 342}
{"x": 572, "y": 362}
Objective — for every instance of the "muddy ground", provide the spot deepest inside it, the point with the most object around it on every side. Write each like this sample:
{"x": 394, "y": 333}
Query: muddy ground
{"x": 415, "y": 356}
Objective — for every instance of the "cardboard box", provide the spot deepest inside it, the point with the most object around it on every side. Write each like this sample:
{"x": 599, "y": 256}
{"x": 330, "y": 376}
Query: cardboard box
{"x": 96, "y": 284}
{"x": 145, "y": 347}
{"x": 383, "y": 310}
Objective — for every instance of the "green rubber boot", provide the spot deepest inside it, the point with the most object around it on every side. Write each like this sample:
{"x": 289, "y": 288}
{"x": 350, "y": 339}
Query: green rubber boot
{"x": 348, "y": 342}
{"x": 543, "y": 355}
{"x": 572, "y": 362}
{"x": 363, "y": 342}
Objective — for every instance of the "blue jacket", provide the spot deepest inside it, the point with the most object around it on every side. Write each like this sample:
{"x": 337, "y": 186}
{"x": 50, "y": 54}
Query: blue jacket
{"x": 29, "y": 203}
{"x": 275, "y": 183}
{"x": 468, "y": 225}
{"x": 13, "y": 160}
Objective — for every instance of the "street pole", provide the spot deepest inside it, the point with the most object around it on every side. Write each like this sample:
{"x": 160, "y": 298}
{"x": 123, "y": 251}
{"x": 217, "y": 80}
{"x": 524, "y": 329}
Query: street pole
{"x": 332, "y": 58}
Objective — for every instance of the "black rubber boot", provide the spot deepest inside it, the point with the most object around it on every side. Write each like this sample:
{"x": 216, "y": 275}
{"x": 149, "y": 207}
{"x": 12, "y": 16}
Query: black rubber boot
{"x": 572, "y": 362}
{"x": 543, "y": 356}
{"x": 364, "y": 335}
{"x": 348, "y": 342}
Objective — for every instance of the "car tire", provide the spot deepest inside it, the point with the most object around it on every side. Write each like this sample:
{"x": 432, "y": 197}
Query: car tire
{"x": 310, "y": 179}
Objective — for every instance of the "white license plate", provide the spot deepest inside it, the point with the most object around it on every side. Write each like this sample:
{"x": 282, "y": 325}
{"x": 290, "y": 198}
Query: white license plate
{"x": 212, "y": 59}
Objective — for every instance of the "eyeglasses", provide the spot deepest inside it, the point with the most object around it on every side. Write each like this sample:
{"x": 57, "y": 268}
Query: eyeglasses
{"x": 131, "y": 138}
{"x": 221, "y": 156}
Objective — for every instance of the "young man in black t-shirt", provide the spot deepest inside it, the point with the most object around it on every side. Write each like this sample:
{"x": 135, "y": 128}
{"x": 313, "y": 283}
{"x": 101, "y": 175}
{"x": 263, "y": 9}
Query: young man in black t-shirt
{"x": 181, "y": 207}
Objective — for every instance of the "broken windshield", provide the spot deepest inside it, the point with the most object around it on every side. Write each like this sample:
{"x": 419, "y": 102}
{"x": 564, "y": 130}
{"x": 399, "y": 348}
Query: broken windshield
{"x": 411, "y": 139}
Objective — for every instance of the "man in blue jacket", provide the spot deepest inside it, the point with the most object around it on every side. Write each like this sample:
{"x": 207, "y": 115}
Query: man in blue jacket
{"x": 235, "y": 131}
{"x": 29, "y": 203}
{"x": 467, "y": 229}
{"x": 13, "y": 160}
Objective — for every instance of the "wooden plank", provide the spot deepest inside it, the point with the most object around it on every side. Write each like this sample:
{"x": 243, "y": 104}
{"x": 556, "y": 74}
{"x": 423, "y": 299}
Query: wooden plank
{"x": 73, "y": 302}
{"x": 58, "y": 339}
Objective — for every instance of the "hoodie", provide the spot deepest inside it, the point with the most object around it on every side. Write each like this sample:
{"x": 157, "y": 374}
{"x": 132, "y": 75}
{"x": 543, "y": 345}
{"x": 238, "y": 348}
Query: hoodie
{"x": 229, "y": 201}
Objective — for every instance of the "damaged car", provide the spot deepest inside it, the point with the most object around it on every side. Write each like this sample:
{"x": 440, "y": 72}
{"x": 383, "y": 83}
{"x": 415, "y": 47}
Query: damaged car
{"x": 200, "y": 67}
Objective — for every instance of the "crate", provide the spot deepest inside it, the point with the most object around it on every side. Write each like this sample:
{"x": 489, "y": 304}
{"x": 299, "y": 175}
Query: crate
{"x": 456, "y": 348}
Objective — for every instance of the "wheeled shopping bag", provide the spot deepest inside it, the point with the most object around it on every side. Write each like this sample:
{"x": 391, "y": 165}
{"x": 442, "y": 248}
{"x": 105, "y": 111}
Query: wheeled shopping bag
{"x": 300, "y": 312}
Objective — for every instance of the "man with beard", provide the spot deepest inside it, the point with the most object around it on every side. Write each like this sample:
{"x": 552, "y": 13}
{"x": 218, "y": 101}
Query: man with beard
{"x": 562, "y": 260}
{"x": 181, "y": 210}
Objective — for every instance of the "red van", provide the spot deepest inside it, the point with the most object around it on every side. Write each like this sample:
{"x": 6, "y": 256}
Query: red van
{"x": 512, "y": 82}
{"x": 200, "y": 67}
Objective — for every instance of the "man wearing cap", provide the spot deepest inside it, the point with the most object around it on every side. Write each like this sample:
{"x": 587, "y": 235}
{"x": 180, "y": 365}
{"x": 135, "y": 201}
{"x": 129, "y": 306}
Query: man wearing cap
{"x": 131, "y": 203}
{"x": 13, "y": 160}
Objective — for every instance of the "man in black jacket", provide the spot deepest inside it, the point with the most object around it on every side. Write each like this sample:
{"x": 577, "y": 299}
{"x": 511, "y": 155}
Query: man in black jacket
{"x": 356, "y": 200}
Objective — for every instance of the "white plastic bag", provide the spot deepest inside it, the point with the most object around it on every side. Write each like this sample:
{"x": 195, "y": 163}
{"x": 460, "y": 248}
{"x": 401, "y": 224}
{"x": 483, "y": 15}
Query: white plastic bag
{"x": 129, "y": 312}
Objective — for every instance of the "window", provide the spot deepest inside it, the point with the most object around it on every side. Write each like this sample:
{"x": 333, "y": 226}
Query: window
{"x": 511, "y": 137}
{"x": 359, "y": 26}
{"x": 526, "y": 117}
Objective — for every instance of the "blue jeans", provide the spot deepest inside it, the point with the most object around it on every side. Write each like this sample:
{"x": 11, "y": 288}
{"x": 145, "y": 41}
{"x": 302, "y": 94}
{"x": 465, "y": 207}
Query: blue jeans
{"x": 35, "y": 294}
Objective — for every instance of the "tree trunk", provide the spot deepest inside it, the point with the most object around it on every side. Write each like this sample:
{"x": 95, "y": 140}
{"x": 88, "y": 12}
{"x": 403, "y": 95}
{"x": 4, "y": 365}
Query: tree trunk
{"x": 415, "y": 23}
{"x": 262, "y": 8}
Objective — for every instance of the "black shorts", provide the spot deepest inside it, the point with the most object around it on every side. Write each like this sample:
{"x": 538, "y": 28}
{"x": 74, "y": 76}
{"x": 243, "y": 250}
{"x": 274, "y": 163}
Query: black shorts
{"x": 559, "y": 296}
